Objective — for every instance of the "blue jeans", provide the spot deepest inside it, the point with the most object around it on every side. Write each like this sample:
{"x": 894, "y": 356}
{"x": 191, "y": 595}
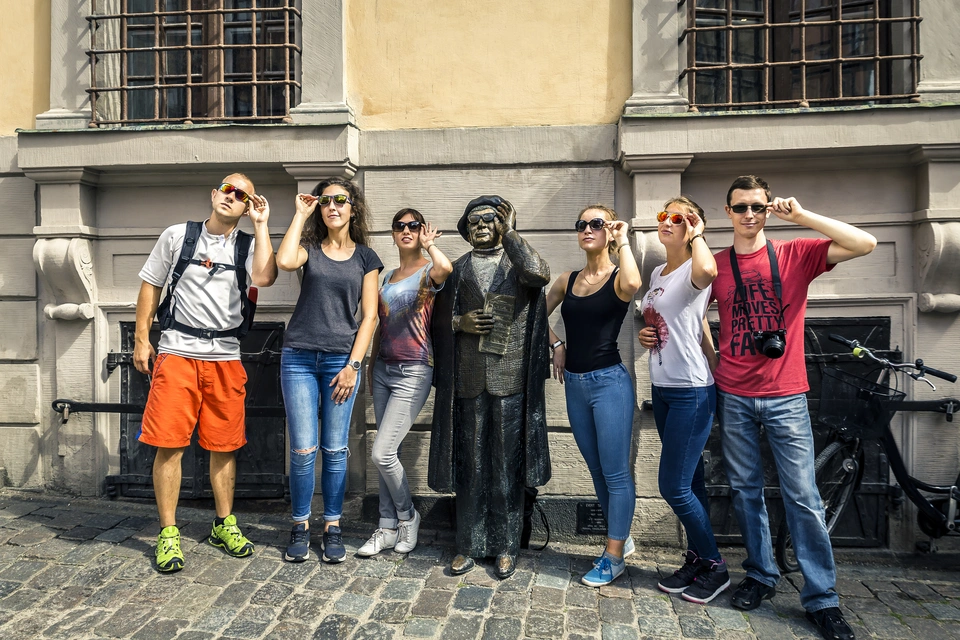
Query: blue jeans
{"x": 684, "y": 416}
{"x": 600, "y": 408}
{"x": 305, "y": 377}
{"x": 790, "y": 435}
{"x": 399, "y": 392}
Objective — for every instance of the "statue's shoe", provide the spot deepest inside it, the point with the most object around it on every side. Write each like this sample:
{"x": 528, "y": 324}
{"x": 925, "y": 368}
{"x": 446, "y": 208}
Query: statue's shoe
{"x": 461, "y": 564}
{"x": 506, "y": 565}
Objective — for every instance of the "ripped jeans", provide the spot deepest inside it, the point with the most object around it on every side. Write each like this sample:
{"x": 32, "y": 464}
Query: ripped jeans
{"x": 305, "y": 377}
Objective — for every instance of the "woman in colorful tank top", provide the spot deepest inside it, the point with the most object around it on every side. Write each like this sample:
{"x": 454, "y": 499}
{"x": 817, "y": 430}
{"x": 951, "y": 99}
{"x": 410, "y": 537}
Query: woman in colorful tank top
{"x": 403, "y": 371}
{"x": 599, "y": 391}
{"x": 684, "y": 399}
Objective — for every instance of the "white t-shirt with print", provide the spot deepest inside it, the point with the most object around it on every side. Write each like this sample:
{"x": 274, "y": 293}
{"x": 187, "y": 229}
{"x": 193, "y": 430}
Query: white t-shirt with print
{"x": 200, "y": 299}
{"x": 675, "y": 308}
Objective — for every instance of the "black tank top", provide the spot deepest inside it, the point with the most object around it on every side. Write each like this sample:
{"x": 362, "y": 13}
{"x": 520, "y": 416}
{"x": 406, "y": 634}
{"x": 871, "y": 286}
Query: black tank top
{"x": 592, "y": 325}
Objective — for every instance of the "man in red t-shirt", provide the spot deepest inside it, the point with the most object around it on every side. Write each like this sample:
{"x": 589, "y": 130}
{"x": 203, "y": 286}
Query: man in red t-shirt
{"x": 761, "y": 319}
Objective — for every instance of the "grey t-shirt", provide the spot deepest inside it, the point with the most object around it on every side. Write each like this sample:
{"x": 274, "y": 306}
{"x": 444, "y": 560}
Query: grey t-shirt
{"x": 325, "y": 318}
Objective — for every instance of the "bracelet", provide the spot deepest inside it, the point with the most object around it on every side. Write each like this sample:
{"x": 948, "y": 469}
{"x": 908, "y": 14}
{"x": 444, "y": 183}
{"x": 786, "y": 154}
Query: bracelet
{"x": 699, "y": 235}
{"x": 430, "y": 246}
{"x": 556, "y": 344}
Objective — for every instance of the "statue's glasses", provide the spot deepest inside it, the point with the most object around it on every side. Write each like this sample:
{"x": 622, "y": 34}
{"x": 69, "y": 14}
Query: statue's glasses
{"x": 238, "y": 194}
{"x": 675, "y": 218}
{"x": 338, "y": 200}
{"x": 413, "y": 225}
{"x": 474, "y": 218}
{"x": 596, "y": 224}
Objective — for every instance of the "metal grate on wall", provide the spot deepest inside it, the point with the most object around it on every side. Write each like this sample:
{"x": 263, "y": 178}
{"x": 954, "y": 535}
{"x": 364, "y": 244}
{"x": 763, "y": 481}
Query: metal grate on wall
{"x": 759, "y": 54}
{"x": 192, "y": 61}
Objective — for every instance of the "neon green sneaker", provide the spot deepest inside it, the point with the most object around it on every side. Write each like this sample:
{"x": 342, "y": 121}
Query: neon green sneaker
{"x": 169, "y": 555}
{"x": 227, "y": 536}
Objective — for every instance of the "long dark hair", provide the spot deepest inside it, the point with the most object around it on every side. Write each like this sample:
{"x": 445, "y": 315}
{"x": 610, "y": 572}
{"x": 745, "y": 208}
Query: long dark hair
{"x": 316, "y": 231}
{"x": 413, "y": 212}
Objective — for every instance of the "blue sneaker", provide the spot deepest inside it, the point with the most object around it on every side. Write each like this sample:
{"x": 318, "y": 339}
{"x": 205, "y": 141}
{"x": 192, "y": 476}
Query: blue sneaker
{"x": 605, "y": 572}
{"x": 333, "y": 549}
{"x": 629, "y": 548}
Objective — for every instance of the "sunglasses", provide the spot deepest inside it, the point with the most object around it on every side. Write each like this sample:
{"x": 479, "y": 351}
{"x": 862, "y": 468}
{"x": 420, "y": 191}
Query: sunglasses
{"x": 413, "y": 225}
{"x": 596, "y": 224}
{"x": 238, "y": 194}
{"x": 675, "y": 218}
{"x": 755, "y": 207}
{"x": 338, "y": 200}
{"x": 474, "y": 218}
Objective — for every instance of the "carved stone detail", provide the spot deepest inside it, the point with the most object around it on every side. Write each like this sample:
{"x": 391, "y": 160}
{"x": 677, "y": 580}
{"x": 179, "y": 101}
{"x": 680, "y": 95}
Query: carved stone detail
{"x": 66, "y": 265}
{"x": 938, "y": 266}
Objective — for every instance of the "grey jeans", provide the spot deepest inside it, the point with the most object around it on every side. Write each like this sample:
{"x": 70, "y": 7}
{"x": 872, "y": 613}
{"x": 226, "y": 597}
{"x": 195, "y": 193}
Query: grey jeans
{"x": 399, "y": 392}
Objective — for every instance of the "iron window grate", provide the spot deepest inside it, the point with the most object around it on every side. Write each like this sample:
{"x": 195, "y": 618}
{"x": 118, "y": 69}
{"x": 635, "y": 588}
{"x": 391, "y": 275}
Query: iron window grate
{"x": 754, "y": 54}
{"x": 192, "y": 61}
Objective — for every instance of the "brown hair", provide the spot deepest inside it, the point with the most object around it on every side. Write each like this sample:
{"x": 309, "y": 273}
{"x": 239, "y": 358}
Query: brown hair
{"x": 611, "y": 247}
{"x": 748, "y": 183}
{"x": 413, "y": 212}
{"x": 316, "y": 231}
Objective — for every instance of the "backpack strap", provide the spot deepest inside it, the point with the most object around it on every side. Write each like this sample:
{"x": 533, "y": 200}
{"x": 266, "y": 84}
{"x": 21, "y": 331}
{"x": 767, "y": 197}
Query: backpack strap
{"x": 248, "y": 306}
{"x": 187, "y": 249}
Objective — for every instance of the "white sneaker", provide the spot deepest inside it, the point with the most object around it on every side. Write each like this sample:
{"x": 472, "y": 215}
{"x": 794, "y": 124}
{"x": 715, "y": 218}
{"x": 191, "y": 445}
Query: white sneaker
{"x": 408, "y": 532}
{"x": 380, "y": 540}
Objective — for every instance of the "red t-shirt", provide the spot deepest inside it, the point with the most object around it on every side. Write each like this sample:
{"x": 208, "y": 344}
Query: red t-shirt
{"x": 743, "y": 370}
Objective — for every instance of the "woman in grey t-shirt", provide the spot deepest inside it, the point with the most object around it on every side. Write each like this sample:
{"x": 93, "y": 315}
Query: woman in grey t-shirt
{"x": 323, "y": 347}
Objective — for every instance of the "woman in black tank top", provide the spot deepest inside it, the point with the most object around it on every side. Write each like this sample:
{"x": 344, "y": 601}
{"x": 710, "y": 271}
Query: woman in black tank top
{"x": 599, "y": 391}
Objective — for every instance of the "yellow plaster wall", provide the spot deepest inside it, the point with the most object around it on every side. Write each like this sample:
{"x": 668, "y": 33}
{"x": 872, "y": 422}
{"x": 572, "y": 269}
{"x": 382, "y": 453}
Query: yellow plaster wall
{"x": 25, "y": 66}
{"x": 469, "y": 63}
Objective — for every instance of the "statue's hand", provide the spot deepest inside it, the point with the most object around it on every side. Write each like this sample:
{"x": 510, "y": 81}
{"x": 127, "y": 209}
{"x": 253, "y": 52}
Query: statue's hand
{"x": 506, "y": 218}
{"x": 476, "y": 322}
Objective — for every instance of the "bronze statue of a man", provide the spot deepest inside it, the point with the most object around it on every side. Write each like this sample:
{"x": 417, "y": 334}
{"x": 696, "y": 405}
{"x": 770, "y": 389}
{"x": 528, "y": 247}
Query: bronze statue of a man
{"x": 491, "y": 361}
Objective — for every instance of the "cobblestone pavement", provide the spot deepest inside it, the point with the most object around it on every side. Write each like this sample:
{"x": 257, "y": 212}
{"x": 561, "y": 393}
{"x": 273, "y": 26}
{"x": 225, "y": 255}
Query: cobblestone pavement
{"x": 82, "y": 568}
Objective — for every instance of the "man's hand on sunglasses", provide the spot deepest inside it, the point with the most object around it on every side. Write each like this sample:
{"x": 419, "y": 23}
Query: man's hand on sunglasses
{"x": 258, "y": 210}
{"x": 787, "y": 209}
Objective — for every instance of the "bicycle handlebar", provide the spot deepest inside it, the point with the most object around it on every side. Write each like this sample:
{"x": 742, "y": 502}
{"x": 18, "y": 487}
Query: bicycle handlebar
{"x": 922, "y": 370}
{"x": 943, "y": 375}
{"x": 852, "y": 344}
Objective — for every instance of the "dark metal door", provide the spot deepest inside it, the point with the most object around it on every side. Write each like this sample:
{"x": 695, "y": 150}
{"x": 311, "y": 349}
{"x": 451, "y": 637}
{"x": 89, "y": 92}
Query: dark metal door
{"x": 864, "y": 524}
{"x": 260, "y": 464}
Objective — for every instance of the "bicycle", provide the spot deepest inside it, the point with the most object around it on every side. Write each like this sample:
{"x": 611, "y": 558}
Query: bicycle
{"x": 856, "y": 410}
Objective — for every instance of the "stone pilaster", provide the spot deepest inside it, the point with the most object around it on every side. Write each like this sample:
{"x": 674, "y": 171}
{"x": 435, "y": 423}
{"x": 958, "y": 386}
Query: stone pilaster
{"x": 323, "y": 92}
{"x": 657, "y": 25}
{"x": 69, "y": 66}
{"x": 937, "y": 235}
{"x": 939, "y": 72}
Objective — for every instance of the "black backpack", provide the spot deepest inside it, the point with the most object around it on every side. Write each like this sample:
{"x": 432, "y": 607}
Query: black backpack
{"x": 248, "y": 306}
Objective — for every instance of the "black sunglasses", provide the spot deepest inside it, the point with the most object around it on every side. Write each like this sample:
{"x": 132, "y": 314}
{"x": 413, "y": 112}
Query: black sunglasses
{"x": 756, "y": 207}
{"x": 477, "y": 217}
{"x": 413, "y": 225}
{"x": 596, "y": 224}
{"x": 238, "y": 194}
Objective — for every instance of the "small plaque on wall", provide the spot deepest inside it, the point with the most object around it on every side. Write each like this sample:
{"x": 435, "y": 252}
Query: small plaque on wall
{"x": 590, "y": 520}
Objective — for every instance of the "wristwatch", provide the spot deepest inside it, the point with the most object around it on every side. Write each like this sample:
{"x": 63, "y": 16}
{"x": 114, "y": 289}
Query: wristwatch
{"x": 355, "y": 364}
{"x": 556, "y": 344}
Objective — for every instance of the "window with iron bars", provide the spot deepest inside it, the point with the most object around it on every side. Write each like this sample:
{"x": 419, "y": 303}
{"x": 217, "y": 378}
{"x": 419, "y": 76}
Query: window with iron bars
{"x": 759, "y": 54}
{"x": 192, "y": 61}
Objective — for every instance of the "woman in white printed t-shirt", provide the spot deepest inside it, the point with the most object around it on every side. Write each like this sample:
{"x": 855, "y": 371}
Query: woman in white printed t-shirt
{"x": 684, "y": 398}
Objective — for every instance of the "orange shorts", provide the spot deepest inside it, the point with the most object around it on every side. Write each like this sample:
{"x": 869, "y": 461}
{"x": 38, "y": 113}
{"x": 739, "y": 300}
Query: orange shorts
{"x": 186, "y": 393}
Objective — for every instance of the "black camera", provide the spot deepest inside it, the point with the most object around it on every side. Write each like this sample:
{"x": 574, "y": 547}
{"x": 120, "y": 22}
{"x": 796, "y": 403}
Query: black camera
{"x": 770, "y": 343}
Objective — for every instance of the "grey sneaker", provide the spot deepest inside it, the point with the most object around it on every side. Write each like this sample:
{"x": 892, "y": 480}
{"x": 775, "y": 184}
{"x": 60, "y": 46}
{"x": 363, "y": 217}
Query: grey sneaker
{"x": 408, "y": 532}
{"x": 628, "y": 550}
{"x": 380, "y": 540}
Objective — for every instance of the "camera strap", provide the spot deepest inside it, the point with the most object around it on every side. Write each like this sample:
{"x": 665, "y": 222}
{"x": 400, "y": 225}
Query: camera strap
{"x": 741, "y": 291}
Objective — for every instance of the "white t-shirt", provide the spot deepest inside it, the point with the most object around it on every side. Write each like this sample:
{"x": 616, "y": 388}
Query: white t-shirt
{"x": 200, "y": 299}
{"x": 675, "y": 308}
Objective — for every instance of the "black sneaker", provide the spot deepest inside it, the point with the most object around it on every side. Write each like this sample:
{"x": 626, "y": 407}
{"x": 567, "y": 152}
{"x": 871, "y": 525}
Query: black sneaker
{"x": 682, "y": 577}
{"x": 333, "y": 549}
{"x": 709, "y": 583}
{"x": 299, "y": 547}
{"x": 830, "y": 624}
{"x": 750, "y": 592}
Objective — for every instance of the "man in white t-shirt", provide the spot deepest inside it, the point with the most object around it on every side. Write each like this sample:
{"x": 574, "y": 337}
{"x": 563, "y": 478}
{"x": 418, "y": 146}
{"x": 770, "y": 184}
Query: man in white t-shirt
{"x": 197, "y": 377}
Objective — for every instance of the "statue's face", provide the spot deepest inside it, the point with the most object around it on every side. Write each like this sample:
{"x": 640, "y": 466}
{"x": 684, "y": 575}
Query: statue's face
{"x": 482, "y": 234}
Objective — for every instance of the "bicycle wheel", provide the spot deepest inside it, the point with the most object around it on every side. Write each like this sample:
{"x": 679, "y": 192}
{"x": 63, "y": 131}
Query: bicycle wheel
{"x": 837, "y": 468}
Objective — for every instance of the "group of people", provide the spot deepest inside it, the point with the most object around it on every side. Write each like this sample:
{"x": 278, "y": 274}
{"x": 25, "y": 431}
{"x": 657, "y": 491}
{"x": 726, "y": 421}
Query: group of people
{"x": 477, "y": 329}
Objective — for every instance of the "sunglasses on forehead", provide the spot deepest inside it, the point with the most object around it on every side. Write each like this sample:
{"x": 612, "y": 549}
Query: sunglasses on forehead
{"x": 338, "y": 200}
{"x": 596, "y": 224}
{"x": 756, "y": 207}
{"x": 238, "y": 194}
{"x": 675, "y": 218}
{"x": 413, "y": 225}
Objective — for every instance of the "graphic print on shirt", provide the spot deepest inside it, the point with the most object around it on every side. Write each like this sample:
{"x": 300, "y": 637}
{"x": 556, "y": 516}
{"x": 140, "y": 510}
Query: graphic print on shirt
{"x": 759, "y": 311}
{"x": 653, "y": 319}
{"x": 405, "y": 318}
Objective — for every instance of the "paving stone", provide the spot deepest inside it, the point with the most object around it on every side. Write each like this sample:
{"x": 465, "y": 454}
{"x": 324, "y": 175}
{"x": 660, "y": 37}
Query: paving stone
{"x": 195, "y": 635}
{"x": 619, "y": 632}
{"x": 931, "y": 629}
{"x": 508, "y": 603}
{"x": 67, "y": 598}
{"x": 236, "y": 594}
{"x": 519, "y": 581}
{"x": 126, "y": 621}
{"x": 583, "y": 597}
{"x": 727, "y": 619}
{"x": 161, "y": 629}
{"x": 901, "y": 604}
{"x": 432, "y": 603}
{"x": 942, "y": 611}
{"x": 880, "y": 585}
{"x": 73, "y": 625}
{"x": 251, "y": 622}
{"x": 619, "y": 589}
{"x": 947, "y": 590}
{"x": 375, "y": 569}
{"x": 390, "y": 612}
{"x": 305, "y": 606}
{"x": 215, "y": 618}
{"x": 852, "y": 589}
{"x": 373, "y": 631}
{"x": 353, "y": 603}
{"x": 158, "y": 593}
{"x": 664, "y": 626}
{"x": 462, "y": 627}
{"x": 862, "y": 606}
{"x": 483, "y": 576}
{"x": 917, "y": 590}
{"x": 81, "y": 533}
{"x": 295, "y": 573}
{"x": 881, "y": 626}
{"x": 260, "y": 569}
{"x": 7, "y": 587}
{"x": 580, "y": 636}
{"x": 421, "y": 628}
{"x": 553, "y": 577}
{"x": 22, "y": 598}
{"x": 653, "y": 607}
{"x": 415, "y": 568}
{"x": 545, "y": 598}
{"x": 27, "y": 626}
{"x": 271, "y": 594}
{"x": 326, "y": 581}
{"x": 583, "y": 620}
{"x": 52, "y": 549}
{"x": 616, "y": 611}
{"x": 541, "y": 624}
{"x": 23, "y": 570}
{"x": 502, "y": 629}
{"x": 289, "y": 630}
{"x": 52, "y": 576}
{"x": 365, "y": 586}
{"x": 335, "y": 627}
{"x": 440, "y": 578}
{"x": 697, "y": 627}
{"x": 95, "y": 575}
{"x": 110, "y": 596}
{"x": 405, "y": 589}
{"x": 473, "y": 598}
